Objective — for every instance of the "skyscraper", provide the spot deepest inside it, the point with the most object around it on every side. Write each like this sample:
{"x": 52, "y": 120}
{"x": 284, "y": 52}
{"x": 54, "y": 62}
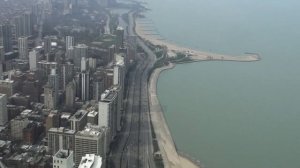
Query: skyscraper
{"x": 81, "y": 50}
{"x": 79, "y": 120}
{"x": 70, "y": 94}
{"x": 90, "y": 140}
{"x": 60, "y": 138}
{"x": 23, "y": 48}
{"x": 47, "y": 44}
{"x": 69, "y": 42}
{"x": 33, "y": 60}
{"x": 85, "y": 80}
{"x": 3, "y": 109}
{"x": 2, "y": 59}
{"x": 120, "y": 37}
{"x": 53, "y": 84}
{"x": 6, "y": 37}
{"x": 49, "y": 97}
{"x": 24, "y": 25}
{"x": 67, "y": 73}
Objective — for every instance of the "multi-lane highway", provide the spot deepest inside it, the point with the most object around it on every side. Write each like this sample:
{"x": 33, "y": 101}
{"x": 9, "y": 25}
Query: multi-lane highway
{"x": 134, "y": 147}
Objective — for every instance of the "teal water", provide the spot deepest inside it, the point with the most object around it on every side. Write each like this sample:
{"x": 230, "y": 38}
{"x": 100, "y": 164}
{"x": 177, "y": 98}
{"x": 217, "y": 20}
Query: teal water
{"x": 232, "y": 114}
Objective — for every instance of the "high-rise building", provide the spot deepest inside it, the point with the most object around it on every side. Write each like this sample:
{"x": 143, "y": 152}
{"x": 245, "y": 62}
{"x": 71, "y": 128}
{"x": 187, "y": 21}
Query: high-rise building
{"x": 63, "y": 159}
{"x": 70, "y": 53}
{"x": 2, "y": 56}
{"x": 6, "y": 37}
{"x": 60, "y": 138}
{"x": 85, "y": 80}
{"x": 90, "y": 140}
{"x": 79, "y": 120}
{"x": 120, "y": 37}
{"x": 24, "y": 25}
{"x": 33, "y": 60}
{"x": 7, "y": 87}
{"x": 23, "y": 48}
{"x": 53, "y": 84}
{"x": 107, "y": 114}
{"x": 80, "y": 50}
{"x": 49, "y": 97}
{"x": 52, "y": 121}
{"x": 69, "y": 41}
{"x": 67, "y": 73}
{"x": 16, "y": 127}
{"x": 70, "y": 94}
{"x": 47, "y": 44}
{"x": 44, "y": 68}
{"x": 3, "y": 109}
{"x": 92, "y": 117}
{"x": 98, "y": 84}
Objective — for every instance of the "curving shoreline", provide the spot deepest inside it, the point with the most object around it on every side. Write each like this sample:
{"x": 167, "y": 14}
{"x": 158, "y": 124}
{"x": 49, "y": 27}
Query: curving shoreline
{"x": 171, "y": 158}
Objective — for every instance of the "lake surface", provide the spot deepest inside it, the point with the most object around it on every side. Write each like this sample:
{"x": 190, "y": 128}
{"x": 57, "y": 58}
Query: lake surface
{"x": 233, "y": 114}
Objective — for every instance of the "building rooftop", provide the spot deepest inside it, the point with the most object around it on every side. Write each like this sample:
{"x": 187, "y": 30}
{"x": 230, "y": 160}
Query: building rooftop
{"x": 92, "y": 114}
{"x": 91, "y": 131}
{"x": 108, "y": 95}
{"x": 62, "y": 130}
{"x": 63, "y": 154}
{"x": 79, "y": 115}
{"x": 90, "y": 161}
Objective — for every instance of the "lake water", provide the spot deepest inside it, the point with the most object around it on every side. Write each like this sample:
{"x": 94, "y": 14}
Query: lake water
{"x": 233, "y": 114}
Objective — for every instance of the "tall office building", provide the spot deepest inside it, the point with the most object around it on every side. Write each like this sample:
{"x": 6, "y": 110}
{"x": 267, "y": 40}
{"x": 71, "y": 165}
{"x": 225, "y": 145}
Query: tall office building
{"x": 70, "y": 53}
{"x": 67, "y": 73}
{"x": 2, "y": 56}
{"x": 90, "y": 140}
{"x": 33, "y": 60}
{"x": 7, "y": 87}
{"x": 44, "y": 68}
{"x": 120, "y": 37}
{"x": 70, "y": 94}
{"x": 52, "y": 121}
{"x": 85, "y": 80}
{"x": 79, "y": 120}
{"x": 16, "y": 127}
{"x": 69, "y": 42}
{"x": 24, "y": 25}
{"x": 23, "y": 48}
{"x": 80, "y": 50}
{"x": 49, "y": 97}
{"x": 85, "y": 85}
{"x": 47, "y": 44}
{"x": 3, "y": 109}
{"x": 6, "y": 37}
{"x": 107, "y": 111}
{"x": 99, "y": 80}
{"x": 53, "y": 83}
{"x": 60, "y": 138}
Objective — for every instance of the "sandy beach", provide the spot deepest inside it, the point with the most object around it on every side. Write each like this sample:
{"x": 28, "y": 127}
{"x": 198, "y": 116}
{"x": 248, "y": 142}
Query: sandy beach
{"x": 195, "y": 55}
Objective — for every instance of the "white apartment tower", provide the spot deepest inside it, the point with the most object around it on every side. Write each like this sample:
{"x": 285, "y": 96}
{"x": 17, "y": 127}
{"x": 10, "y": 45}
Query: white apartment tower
{"x": 69, "y": 42}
